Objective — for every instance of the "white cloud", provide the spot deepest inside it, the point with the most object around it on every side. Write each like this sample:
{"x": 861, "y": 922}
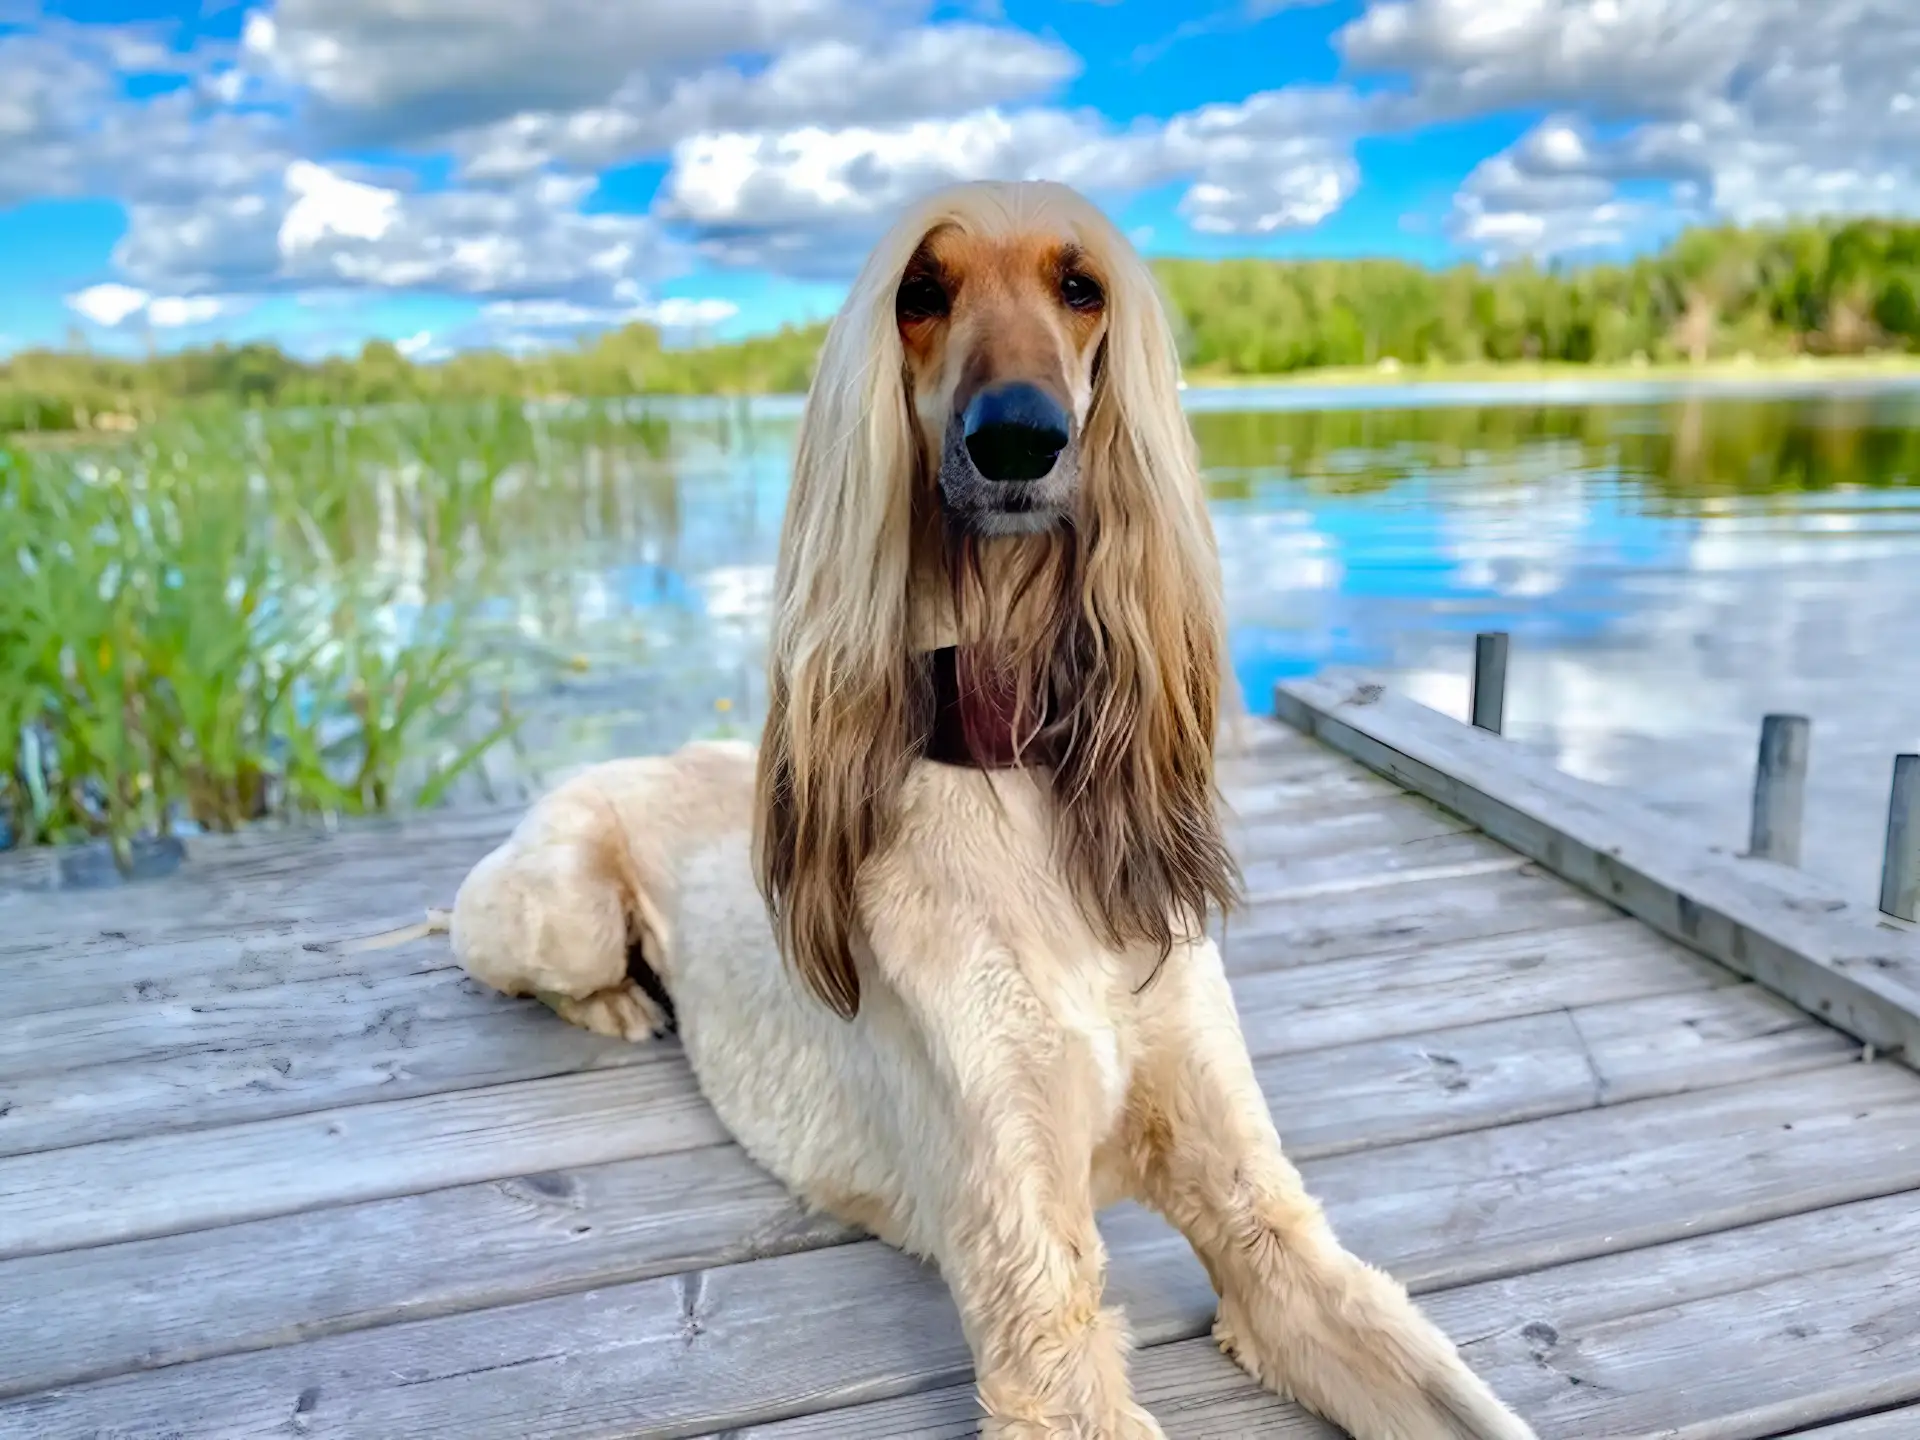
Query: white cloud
{"x": 112, "y": 304}
{"x": 1469, "y": 56}
{"x": 928, "y": 71}
{"x": 398, "y": 70}
{"x": 172, "y": 311}
{"x": 808, "y": 201}
{"x": 673, "y": 313}
{"x": 1663, "y": 110}
{"x": 327, "y": 206}
{"x": 109, "y": 304}
{"x": 794, "y": 129}
{"x": 51, "y": 93}
{"x": 677, "y": 313}
{"x": 1281, "y": 160}
{"x": 1551, "y": 193}
{"x": 316, "y": 228}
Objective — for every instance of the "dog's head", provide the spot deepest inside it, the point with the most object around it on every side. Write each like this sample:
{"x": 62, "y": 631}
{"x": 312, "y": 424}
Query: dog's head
{"x": 993, "y": 450}
{"x": 1003, "y": 329}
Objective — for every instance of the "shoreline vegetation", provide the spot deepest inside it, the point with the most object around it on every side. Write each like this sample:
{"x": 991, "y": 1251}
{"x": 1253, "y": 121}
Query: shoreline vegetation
{"x": 230, "y": 617}
{"x": 1825, "y": 298}
{"x": 1731, "y": 370}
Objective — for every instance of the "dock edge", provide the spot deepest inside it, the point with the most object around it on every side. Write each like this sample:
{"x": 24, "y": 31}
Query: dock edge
{"x": 1770, "y": 923}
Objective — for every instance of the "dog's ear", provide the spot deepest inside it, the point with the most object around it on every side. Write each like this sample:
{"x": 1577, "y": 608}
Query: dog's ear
{"x": 843, "y": 697}
{"x": 1145, "y": 652}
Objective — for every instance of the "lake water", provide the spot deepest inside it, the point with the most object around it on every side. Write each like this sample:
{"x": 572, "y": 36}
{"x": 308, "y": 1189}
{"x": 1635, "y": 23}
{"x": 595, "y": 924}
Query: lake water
{"x": 1671, "y": 565}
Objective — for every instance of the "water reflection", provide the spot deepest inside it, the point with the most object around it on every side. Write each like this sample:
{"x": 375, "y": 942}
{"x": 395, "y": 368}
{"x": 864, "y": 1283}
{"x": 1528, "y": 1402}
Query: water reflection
{"x": 1670, "y": 571}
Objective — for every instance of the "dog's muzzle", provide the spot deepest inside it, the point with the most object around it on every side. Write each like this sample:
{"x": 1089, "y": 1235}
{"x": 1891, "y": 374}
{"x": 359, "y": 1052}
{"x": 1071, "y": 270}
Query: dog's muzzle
{"x": 1009, "y": 461}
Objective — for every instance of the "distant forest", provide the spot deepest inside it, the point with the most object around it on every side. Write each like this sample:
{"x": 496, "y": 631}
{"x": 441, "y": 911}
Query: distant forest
{"x": 1713, "y": 293}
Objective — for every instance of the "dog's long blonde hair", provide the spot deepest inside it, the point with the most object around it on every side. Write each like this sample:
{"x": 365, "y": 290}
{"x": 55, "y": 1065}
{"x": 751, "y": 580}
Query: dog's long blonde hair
{"x": 1131, "y": 650}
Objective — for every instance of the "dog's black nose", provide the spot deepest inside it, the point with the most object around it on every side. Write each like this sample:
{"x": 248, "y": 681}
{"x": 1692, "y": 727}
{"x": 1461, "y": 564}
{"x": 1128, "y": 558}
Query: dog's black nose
{"x": 1014, "y": 432}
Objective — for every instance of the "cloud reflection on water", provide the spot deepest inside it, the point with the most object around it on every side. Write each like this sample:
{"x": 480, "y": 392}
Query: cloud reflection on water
{"x": 1670, "y": 572}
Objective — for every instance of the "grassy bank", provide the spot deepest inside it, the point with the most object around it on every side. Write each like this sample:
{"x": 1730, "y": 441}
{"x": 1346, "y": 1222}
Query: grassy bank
{"x": 1814, "y": 369}
{"x": 234, "y": 616}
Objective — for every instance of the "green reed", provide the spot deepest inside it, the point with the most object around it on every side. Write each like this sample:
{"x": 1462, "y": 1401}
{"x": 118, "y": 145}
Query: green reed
{"x": 240, "y": 615}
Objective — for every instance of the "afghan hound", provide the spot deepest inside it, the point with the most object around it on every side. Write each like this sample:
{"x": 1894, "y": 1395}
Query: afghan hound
{"x": 937, "y": 948}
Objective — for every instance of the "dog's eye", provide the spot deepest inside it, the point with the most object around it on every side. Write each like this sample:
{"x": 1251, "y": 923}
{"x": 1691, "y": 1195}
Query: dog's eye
{"x": 1081, "y": 292}
{"x": 920, "y": 297}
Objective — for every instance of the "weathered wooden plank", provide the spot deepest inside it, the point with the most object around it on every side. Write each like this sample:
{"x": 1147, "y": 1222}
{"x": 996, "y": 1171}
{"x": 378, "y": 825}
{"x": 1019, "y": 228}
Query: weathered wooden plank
{"x": 198, "y": 968}
{"x": 293, "y": 1067}
{"x": 1741, "y": 1345}
{"x": 1341, "y": 1001}
{"x": 1901, "y": 1424}
{"x": 1772, "y": 924}
{"x": 1387, "y": 820}
{"x": 236, "y": 1052}
{"x": 55, "y": 1199}
{"x": 1414, "y": 1087}
{"x": 186, "y": 970}
{"x": 266, "y": 875}
{"x": 1261, "y": 743}
{"x": 137, "y": 1067}
{"x": 306, "y": 875}
{"x": 1194, "y": 1391}
{"x": 277, "y": 1281}
{"x": 233, "y": 1055}
{"x": 1463, "y": 853}
{"x": 301, "y": 875}
{"x": 256, "y": 1284}
{"x": 99, "y": 968}
{"x": 1728, "y": 1133}
{"x": 721, "y": 1348}
{"x": 1286, "y": 1011}
{"x": 1263, "y": 795}
{"x": 258, "y": 1053}
{"x": 1793, "y": 1353}
{"x": 344, "y": 1005}
{"x": 1416, "y": 912}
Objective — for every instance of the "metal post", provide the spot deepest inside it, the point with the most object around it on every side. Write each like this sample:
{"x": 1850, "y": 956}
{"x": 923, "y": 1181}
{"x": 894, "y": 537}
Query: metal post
{"x": 1900, "y": 876}
{"x": 1780, "y": 789}
{"x": 1489, "y": 705}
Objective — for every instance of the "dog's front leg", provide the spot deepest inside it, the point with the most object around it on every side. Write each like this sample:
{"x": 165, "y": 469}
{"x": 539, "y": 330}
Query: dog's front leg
{"x": 1026, "y": 1266}
{"x": 1003, "y": 1184}
{"x": 1302, "y": 1315}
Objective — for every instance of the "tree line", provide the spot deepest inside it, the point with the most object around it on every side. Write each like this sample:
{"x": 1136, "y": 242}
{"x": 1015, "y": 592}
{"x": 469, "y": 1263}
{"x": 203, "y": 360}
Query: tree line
{"x": 1810, "y": 288}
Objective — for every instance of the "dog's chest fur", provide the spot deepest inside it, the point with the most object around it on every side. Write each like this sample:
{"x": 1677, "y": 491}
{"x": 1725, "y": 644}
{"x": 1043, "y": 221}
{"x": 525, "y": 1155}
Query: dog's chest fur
{"x": 975, "y": 863}
{"x": 968, "y": 917}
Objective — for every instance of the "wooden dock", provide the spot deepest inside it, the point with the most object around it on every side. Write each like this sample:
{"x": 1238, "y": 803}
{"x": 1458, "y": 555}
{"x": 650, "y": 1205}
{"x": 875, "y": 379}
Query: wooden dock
{"x": 269, "y": 1166}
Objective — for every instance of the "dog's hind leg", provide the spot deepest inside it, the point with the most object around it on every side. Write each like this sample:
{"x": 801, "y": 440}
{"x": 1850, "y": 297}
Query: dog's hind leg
{"x": 1302, "y": 1315}
{"x": 572, "y": 907}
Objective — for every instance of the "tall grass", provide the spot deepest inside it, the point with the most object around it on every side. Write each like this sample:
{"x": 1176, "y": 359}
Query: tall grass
{"x": 239, "y": 615}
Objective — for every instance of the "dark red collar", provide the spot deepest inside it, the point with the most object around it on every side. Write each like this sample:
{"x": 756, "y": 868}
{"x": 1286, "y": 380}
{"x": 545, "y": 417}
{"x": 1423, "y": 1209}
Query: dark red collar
{"x": 973, "y": 719}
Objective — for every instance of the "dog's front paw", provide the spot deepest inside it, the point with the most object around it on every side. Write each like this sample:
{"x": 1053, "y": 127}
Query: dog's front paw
{"x": 1130, "y": 1423}
{"x": 1395, "y": 1387}
{"x": 622, "y": 1012}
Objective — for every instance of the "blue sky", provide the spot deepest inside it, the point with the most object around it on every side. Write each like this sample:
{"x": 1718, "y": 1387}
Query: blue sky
{"x": 515, "y": 172}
